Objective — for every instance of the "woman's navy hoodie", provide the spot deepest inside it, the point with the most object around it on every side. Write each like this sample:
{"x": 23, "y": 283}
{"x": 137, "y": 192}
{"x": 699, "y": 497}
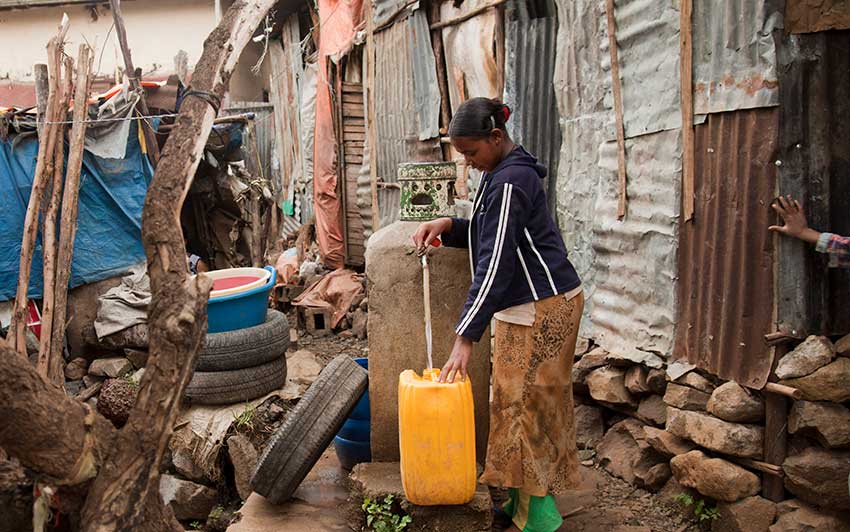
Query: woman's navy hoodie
{"x": 516, "y": 253}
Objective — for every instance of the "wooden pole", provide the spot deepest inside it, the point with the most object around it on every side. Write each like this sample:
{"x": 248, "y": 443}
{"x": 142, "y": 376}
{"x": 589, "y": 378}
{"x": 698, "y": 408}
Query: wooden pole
{"x": 42, "y": 88}
{"x": 70, "y": 205}
{"x": 371, "y": 58}
{"x": 43, "y": 168}
{"x": 135, "y": 82}
{"x": 48, "y": 241}
{"x": 463, "y": 18}
{"x": 618, "y": 108}
{"x": 781, "y": 389}
{"x": 686, "y": 53}
{"x": 125, "y": 494}
{"x": 442, "y": 78}
{"x": 775, "y": 433}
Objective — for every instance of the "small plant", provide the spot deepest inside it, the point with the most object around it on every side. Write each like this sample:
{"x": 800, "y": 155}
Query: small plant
{"x": 130, "y": 378}
{"x": 380, "y": 516}
{"x": 216, "y": 513}
{"x": 245, "y": 420}
{"x": 196, "y": 525}
{"x": 702, "y": 511}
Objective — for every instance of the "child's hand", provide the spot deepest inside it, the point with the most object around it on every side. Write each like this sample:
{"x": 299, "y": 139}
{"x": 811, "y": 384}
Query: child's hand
{"x": 428, "y": 231}
{"x": 794, "y": 219}
{"x": 458, "y": 361}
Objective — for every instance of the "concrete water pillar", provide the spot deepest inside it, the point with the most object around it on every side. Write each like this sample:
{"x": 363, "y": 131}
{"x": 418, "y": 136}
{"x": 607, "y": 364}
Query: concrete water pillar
{"x": 397, "y": 329}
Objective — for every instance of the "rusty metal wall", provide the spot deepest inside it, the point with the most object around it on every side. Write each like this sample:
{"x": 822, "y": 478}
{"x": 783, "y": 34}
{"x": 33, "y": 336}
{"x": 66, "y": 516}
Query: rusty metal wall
{"x": 395, "y": 115}
{"x": 726, "y": 261}
{"x": 263, "y": 126}
{"x": 815, "y": 167}
{"x": 807, "y": 16}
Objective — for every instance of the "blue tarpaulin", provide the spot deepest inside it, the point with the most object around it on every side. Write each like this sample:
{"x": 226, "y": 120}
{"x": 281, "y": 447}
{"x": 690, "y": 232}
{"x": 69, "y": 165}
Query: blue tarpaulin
{"x": 112, "y": 193}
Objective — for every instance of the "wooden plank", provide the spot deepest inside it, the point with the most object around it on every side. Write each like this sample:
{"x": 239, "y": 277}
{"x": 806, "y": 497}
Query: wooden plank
{"x": 686, "y": 51}
{"x": 358, "y": 137}
{"x": 775, "y": 433}
{"x": 618, "y": 108}
{"x": 349, "y": 97}
{"x": 352, "y": 87}
{"x": 353, "y": 128}
{"x": 42, "y": 88}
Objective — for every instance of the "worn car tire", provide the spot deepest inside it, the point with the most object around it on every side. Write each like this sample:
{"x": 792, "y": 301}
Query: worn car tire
{"x": 308, "y": 430}
{"x": 246, "y": 348}
{"x": 236, "y": 386}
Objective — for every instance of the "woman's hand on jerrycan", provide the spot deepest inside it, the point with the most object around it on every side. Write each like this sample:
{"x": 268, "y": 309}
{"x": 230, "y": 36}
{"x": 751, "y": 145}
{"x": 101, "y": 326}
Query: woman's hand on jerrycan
{"x": 458, "y": 360}
{"x": 429, "y": 231}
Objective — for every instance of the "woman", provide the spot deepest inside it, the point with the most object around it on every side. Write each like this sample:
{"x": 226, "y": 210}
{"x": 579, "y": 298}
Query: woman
{"x": 521, "y": 276}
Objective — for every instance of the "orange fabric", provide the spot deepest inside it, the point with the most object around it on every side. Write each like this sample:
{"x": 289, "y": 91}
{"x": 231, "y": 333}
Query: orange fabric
{"x": 338, "y": 22}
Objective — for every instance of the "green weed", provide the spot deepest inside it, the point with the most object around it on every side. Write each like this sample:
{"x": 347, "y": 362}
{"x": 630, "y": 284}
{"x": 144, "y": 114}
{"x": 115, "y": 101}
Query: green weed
{"x": 381, "y": 518}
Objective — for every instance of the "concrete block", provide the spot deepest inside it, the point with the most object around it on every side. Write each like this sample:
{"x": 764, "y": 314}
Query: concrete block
{"x": 396, "y": 329}
{"x": 377, "y": 480}
{"x": 317, "y": 321}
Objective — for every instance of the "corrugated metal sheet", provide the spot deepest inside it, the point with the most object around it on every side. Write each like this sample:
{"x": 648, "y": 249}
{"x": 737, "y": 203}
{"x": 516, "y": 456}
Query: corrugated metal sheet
{"x": 726, "y": 290}
{"x": 529, "y": 71}
{"x": 734, "y": 54}
{"x": 307, "y": 101}
{"x": 474, "y": 52}
{"x": 263, "y": 128}
{"x": 648, "y": 41}
{"x": 385, "y": 11}
{"x": 815, "y": 157}
{"x": 807, "y": 16}
{"x": 426, "y": 90}
{"x": 628, "y": 268}
{"x": 395, "y": 116}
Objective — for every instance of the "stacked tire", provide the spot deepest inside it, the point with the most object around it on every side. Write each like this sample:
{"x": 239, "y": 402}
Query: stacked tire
{"x": 241, "y": 365}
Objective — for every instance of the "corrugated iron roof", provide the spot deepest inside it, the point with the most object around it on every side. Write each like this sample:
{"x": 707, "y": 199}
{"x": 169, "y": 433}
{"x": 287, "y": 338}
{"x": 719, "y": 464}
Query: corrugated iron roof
{"x": 815, "y": 168}
{"x": 426, "y": 90}
{"x": 734, "y": 55}
{"x": 726, "y": 290}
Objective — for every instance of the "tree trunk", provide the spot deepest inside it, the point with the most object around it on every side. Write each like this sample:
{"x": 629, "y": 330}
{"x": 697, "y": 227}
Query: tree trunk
{"x": 177, "y": 313}
{"x": 43, "y": 169}
{"x": 70, "y": 205}
{"x": 48, "y": 242}
{"x": 47, "y": 430}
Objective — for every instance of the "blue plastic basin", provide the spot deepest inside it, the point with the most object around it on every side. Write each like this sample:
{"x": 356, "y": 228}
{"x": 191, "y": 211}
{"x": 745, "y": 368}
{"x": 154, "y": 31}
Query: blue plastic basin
{"x": 351, "y": 453}
{"x": 242, "y": 310}
{"x": 355, "y": 430}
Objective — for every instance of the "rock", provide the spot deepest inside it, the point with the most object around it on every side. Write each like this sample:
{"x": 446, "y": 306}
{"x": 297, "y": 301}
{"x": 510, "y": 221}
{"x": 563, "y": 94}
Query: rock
{"x": 608, "y": 385}
{"x": 811, "y": 355}
{"x": 73, "y": 388}
{"x": 635, "y": 357}
{"x": 819, "y": 476}
{"x": 671, "y": 492}
{"x": 137, "y": 357}
{"x": 714, "y": 477}
{"x": 746, "y": 441}
{"x": 625, "y": 453}
{"x": 653, "y": 408}
{"x": 753, "y": 514}
{"x": 587, "y": 363}
{"x": 76, "y": 369}
{"x": 636, "y": 380}
{"x": 90, "y": 380}
{"x": 696, "y": 381}
{"x": 842, "y": 347}
{"x": 116, "y": 399}
{"x": 667, "y": 444}
{"x": 243, "y": 456}
{"x": 685, "y": 397}
{"x": 829, "y": 423}
{"x": 302, "y": 367}
{"x": 795, "y": 516}
{"x": 582, "y": 346}
{"x": 590, "y": 426}
{"x": 376, "y": 480}
{"x": 359, "y": 324}
{"x": 110, "y": 367}
{"x": 829, "y": 383}
{"x": 187, "y": 499}
{"x": 733, "y": 402}
{"x": 397, "y": 337}
{"x": 656, "y": 380}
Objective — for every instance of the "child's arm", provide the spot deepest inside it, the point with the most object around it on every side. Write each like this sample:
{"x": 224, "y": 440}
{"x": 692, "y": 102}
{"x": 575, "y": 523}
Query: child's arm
{"x": 838, "y": 247}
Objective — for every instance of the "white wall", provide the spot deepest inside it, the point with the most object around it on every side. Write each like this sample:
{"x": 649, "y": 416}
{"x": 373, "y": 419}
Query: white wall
{"x": 156, "y": 31}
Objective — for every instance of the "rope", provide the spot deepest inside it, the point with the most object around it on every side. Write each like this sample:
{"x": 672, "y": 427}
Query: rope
{"x": 213, "y": 100}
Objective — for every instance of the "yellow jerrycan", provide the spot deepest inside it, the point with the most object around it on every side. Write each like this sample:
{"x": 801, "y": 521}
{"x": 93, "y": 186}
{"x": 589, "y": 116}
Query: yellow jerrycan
{"x": 436, "y": 425}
